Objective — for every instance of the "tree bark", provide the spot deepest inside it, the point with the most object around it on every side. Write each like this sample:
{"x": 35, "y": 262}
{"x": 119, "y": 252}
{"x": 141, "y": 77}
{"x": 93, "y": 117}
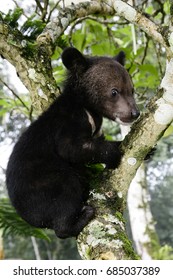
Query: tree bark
{"x": 32, "y": 64}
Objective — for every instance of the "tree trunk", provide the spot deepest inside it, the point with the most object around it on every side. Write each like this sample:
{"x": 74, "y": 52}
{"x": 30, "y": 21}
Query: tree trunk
{"x": 141, "y": 220}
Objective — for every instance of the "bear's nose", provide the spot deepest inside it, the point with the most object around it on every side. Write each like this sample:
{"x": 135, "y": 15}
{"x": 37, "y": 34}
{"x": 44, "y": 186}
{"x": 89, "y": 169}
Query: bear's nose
{"x": 135, "y": 114}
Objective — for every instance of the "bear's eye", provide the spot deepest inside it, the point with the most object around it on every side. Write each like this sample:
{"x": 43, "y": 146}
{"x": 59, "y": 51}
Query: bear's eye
{"x": 114, "y": 92}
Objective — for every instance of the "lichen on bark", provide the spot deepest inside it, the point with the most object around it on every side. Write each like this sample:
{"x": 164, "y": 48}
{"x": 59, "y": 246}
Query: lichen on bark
{"x": 32, "y": 64}
{"x": 105, "y": 237}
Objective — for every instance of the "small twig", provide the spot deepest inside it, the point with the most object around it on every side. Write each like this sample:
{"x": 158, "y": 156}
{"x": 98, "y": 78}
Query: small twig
{"x": 158, "y": 58}
{"x": 105, "y": 22}
{"x": 35, "y": 247}
{"x": 15, "y": 2}
{"x": 146, "y": 48}
{"x": 39, "y": 5}
{"x": 51, "y": 11}
{"x": 44, "y": 11}
{"x": 3, "y": 169}
{"x": 15, "y": 94}
{"x": 134, "y": 39}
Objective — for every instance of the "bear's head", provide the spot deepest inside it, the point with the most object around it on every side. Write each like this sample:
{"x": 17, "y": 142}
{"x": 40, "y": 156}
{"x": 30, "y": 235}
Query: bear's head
{"x": 103, "y": 84}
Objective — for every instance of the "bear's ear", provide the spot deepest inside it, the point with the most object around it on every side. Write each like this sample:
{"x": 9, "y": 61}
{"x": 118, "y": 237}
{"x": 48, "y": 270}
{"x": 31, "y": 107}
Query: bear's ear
{"x": 71, "y": 58}
{"x": 120, "y": 58}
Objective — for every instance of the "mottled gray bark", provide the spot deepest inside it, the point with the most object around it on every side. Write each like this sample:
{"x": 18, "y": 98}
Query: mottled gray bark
{"x": 33, "y": 66}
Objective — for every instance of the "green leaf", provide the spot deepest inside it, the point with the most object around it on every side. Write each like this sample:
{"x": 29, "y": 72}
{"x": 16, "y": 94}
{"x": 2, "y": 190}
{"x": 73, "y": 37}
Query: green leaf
{"x": 169, "y": 131}
{"x": 147, "y": 76}
{"x": 12, "y": 223}
{"x": 79, "y": 40}
{"x": 12, "y": 17}
{"x": 32, "y": 27}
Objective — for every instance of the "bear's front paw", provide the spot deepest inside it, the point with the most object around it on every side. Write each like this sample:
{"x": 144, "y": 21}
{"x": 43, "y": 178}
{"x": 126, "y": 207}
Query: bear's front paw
{"x": 88, "y": 211}
{"x": 114, "y": 157}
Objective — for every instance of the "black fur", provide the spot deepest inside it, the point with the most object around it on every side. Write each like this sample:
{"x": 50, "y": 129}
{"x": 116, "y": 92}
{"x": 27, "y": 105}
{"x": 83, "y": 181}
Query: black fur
{"x": 45, "y": 176}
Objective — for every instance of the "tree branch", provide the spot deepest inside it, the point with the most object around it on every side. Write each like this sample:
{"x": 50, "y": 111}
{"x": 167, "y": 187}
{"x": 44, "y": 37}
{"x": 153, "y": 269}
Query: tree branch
{"x": 128, "y": 12}
{"x": 56, "y": 27}
{"x": 33, "y": 66}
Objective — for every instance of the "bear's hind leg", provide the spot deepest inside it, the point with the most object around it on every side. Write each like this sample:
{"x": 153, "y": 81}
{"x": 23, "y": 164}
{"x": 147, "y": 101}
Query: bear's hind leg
{"x": 73, "y": 225}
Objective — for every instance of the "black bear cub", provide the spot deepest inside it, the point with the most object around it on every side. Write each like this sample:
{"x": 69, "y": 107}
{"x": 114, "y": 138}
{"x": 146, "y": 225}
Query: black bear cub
{"x": 46, "y": 170}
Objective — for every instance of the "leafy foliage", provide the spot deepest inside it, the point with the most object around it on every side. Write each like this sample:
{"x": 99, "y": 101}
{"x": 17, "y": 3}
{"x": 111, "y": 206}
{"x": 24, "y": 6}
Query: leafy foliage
{"x": 164, "y": 253}
{"x": 30, "y": 29}
{"x": 12, "y": 17}
{"x": 12, "y": 224}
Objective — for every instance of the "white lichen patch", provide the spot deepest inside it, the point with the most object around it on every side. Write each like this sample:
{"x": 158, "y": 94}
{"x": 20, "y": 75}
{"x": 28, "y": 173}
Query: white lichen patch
{"x": 91, "y": 240}
{"x": 115, "y": 220}
{"x": 96, "y": 233}
{"x": 51, "y": 88}
{"x": 111, "y": 230}
{"x": 24, "y": 43}
{"x": 98, "y": 196}
{"x": 64, "y": 22}
{"x": 131, "y": 161}
{"x": 167, "y": 81}
{"x": 125, "y": 10}
{"x": 42, "y": 94}
{"x": 117, "y": 243}
{"x": 171, "y": 41}
{"x": 160, "y": 101}
{"x": 120, "y": 195}
{"x": 94, "y": 242}
{"x": 83, "y": 249}
{"x": 95, "y": 227}
{"x": 164, "y": 114}
{"x": 168, "y": 96}
{"x": 101, "y": 235}
{"x": 32, "y": 74}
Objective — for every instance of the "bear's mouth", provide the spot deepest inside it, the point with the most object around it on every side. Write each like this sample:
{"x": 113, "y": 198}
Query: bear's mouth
{"x": 124, "y": 121}
{"x": 127, "y": 119}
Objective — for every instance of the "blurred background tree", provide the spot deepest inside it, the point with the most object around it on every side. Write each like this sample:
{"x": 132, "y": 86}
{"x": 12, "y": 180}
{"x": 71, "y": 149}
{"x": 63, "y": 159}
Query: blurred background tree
{"x": 92, "y": 35}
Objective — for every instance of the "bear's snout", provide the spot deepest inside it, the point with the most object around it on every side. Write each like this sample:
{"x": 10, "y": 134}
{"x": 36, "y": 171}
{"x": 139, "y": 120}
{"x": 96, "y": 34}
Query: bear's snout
{"x": 127, "y": 109}
{"x": 135, "y": 114}
{"x": 127, "y": 118}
